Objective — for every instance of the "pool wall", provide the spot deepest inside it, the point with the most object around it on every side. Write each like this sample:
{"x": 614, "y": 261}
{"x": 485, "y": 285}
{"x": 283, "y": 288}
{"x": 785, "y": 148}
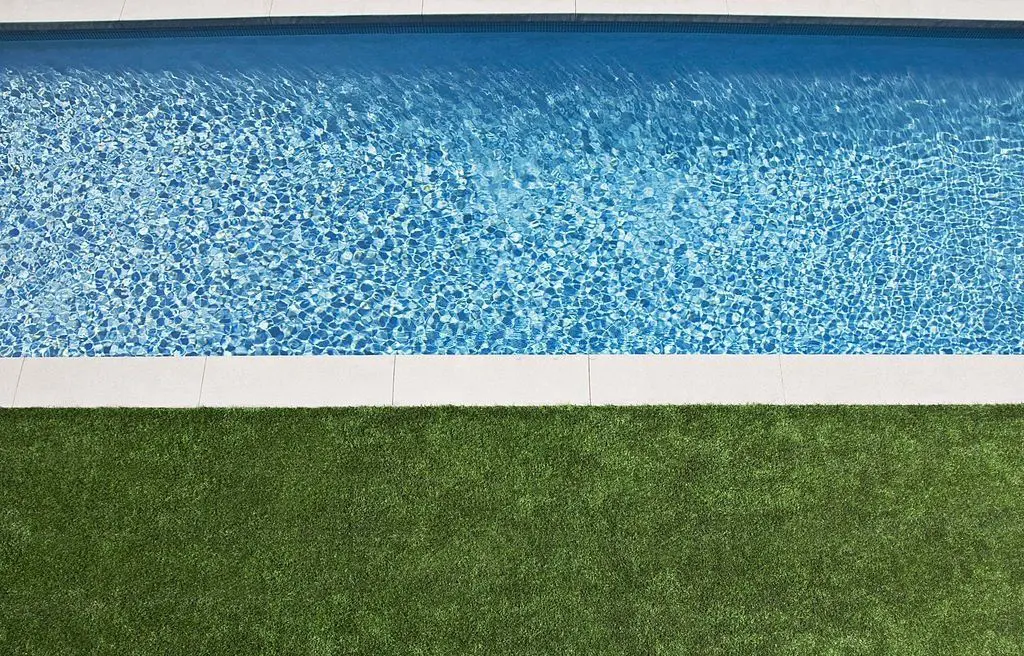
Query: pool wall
{"x": 507, "y": 380}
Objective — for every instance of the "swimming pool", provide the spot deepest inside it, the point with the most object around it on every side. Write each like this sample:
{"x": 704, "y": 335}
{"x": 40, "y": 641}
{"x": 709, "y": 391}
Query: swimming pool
{"x": 512, "y": 191}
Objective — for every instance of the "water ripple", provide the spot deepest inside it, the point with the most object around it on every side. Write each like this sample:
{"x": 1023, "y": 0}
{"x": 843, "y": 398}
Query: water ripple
{"x": 563, "y": 209}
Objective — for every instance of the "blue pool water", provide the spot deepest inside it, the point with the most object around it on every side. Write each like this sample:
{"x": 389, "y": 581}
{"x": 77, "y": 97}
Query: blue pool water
{"x": 512, "y": 192}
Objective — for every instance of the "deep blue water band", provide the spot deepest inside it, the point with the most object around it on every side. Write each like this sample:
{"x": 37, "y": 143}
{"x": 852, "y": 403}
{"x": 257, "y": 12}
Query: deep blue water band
{"x": 680, "y": 24}
{"x": 512, "y": 191}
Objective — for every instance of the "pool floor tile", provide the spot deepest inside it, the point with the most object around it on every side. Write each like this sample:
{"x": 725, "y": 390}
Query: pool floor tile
{"x": 298, "y": 381}
{"x": 491, "y": 380}
{"x": 110, "y": 382}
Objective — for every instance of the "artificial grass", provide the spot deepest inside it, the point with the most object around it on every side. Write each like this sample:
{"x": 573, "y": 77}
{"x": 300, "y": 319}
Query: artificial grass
{"x": 757, "y": 530}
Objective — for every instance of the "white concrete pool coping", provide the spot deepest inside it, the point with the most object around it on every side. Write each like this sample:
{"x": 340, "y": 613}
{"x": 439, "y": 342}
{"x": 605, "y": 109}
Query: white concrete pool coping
{"x": 107, "y": 11}
{"x": 495, "y": 380}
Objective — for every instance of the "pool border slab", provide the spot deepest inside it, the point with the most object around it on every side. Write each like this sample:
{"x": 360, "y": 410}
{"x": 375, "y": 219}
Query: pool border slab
{"x": 498, "y": 380}
{"x": 121, "y": 14}
{"x": 118, "y": 11}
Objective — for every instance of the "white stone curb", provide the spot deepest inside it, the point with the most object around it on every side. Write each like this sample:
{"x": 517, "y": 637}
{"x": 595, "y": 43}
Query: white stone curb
{"x": 60, "y": 11}
{"x": 411, "y": 380}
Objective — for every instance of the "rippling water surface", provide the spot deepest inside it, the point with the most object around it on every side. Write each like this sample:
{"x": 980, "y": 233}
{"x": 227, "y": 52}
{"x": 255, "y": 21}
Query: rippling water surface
{"x": 510, "y": 192}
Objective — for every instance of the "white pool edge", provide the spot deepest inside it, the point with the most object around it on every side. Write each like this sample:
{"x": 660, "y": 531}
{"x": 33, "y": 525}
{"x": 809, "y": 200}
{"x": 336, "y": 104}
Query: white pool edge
{"x": 497, "y": 380}
{"x": 128, "y": 11}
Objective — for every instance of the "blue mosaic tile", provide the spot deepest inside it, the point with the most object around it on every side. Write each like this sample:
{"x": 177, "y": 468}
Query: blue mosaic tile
{"x": 512, "y": 193}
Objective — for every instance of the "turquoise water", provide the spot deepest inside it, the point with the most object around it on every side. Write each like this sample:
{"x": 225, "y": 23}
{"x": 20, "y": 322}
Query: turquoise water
{"x": 512, "y": 192}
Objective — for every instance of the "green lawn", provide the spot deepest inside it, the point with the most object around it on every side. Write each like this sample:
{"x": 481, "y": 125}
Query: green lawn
{"x": 620, "y": 531}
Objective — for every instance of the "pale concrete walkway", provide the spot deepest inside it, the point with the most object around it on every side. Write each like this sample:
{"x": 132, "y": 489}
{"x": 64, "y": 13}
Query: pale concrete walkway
{"x": 25, "y": 11}
{"x": 510, "y": 380}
